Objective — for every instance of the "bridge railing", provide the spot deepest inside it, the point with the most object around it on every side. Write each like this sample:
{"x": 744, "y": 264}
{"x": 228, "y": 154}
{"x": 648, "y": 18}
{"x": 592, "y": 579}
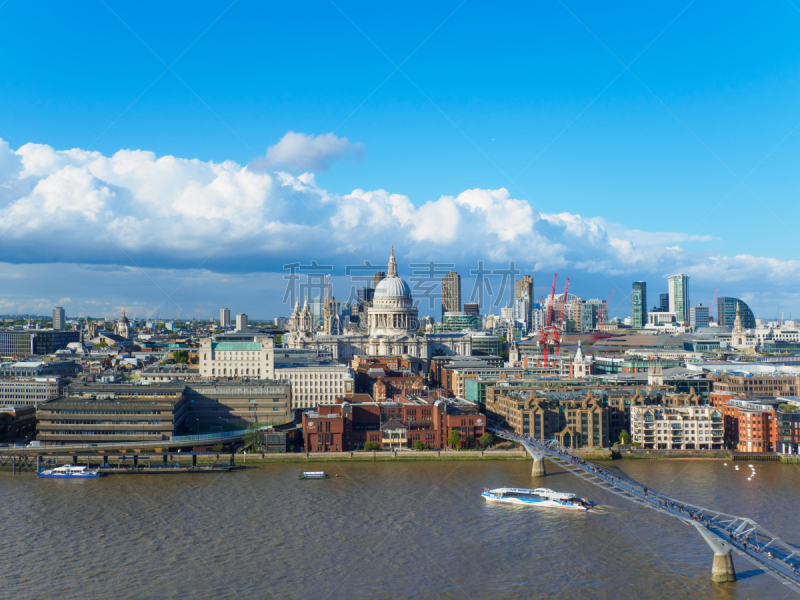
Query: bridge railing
{"x": 764, "y": 548}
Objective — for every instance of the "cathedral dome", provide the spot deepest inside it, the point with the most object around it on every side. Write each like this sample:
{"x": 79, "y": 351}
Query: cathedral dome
{"x": 392, "y": 287}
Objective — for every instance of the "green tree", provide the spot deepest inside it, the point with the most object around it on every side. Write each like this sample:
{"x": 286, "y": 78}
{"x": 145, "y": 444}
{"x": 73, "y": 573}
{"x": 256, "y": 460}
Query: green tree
{"x": 454, "y": 438}
{"x": 278, "y": 339}
{"x": 218, "y": 448}
{"x": 418, "y": 445}
{"x": 624, "y": 437}
{"x": 101, "y": 344}
{"x": 252, "y": 437}
{"x": 372, "y": 446}
{"x": 487, "y": 439}
{"x": 180, "y": 356}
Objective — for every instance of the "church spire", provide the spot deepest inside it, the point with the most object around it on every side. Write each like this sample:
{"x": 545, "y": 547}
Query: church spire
{"x": 392, "y": 265}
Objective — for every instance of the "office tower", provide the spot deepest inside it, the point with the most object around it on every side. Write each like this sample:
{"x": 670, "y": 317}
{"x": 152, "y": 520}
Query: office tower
{"x": 679, "y": 297}
{"x": 471, "y": 308}
{"x": 698, "y": 316}
{"x": 225, "y": 317}
{"x": 377, "y": 278}
{"x": 663, "y": 302}
{"x": 639, "y": 304}
{"x": 726, "y": 312}
{"x": 451, "y": 293}
{"x": 241, "y": 322}
{"x": 524, "y": 289}
{"x": 59, "y": 318}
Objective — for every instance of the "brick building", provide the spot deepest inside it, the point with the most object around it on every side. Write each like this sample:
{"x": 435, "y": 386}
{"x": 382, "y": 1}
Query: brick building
{"x": 386, "y": 388}
{"x": 575, "y": 423}
{"x": 348, "y": 426}
{"x": 755, "y": 384}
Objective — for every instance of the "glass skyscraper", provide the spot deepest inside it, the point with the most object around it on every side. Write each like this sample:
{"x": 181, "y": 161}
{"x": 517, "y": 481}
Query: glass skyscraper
{"x": 726, "y": 313}
{"x": 639, "y": 304}
{"x": 679, "y": 297}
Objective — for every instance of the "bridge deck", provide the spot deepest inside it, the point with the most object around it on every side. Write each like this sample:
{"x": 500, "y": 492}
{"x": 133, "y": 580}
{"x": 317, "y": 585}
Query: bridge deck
{"x": 751, "y": 541}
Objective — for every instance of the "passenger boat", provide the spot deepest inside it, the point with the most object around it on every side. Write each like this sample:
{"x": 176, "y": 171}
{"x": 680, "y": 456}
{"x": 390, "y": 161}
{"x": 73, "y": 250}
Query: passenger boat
{"x": 540, "y": 497}
{"x": 70, "y": 471}
{"x": 313, "y": 475}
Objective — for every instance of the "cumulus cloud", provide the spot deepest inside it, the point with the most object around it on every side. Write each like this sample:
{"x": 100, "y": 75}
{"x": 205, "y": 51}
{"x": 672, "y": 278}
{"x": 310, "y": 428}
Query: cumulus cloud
{"x": 298, "y": 152}
{"x": 135, "y": 209}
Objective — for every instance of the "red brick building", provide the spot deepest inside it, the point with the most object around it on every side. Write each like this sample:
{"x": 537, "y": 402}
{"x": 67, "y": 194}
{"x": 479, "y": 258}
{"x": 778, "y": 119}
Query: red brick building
{"x": 386, "y": 388}
{"x": 344, "y": 427}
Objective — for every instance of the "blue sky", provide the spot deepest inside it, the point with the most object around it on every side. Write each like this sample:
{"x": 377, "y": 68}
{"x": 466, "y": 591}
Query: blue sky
{"x": 533, "y": 98}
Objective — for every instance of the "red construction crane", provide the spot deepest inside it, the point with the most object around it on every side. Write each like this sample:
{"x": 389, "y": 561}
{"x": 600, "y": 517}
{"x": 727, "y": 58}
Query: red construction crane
{"x": 603, "y": 309}
{"x": 545, "y": 331}
{"x": 711, "y": 308}
{"x": 559, "y": 328}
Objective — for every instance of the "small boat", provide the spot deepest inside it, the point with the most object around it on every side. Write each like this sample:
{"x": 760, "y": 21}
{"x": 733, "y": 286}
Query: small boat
{"x": 540, "y": 497}
{"x": 70, "y": 471}
{"x": 313, "y": 475}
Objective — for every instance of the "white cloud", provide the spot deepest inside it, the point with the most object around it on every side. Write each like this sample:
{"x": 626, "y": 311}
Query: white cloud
{"x": 298, "y": 152}
{"x": 132, "y": 209}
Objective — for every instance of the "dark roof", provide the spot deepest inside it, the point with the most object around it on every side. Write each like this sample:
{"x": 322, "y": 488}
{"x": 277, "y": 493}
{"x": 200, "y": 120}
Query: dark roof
{"x": 394, "y": 424}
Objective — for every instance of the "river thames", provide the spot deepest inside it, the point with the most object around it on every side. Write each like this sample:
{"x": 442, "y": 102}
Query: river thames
{"x": 379, "y": 530}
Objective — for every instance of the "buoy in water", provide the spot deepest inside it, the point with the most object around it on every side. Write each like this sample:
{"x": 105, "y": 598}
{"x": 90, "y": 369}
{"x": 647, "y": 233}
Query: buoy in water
{"x": 725, "y": 464}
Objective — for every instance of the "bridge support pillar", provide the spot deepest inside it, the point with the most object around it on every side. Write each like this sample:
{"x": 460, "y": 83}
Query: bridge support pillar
{"x": 538, "y": 466}
{"x": 722, "y": 570}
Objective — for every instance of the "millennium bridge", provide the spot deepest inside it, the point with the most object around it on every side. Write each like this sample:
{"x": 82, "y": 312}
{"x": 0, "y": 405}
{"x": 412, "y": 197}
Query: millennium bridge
{"x": 724, "y": 533}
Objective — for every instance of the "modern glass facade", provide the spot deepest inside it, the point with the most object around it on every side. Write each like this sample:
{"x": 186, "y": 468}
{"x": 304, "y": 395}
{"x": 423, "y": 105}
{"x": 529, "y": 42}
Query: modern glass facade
{"x": 679, "y": 297}
{"x": 24, "y": 342}
{"x": 639, "y": 304}
{"x": 726, "y": 313}
{"x": 698, "y": 316}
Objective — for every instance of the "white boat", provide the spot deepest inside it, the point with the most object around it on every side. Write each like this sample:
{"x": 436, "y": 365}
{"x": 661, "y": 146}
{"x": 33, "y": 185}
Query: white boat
{"x": 70, "y": 471}
{"x": 313, "y": 475}
{"x": 540, "y": 497}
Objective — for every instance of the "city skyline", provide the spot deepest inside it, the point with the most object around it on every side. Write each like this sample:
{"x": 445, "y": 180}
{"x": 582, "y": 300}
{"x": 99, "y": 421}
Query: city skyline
{"x": 173, "y": 185}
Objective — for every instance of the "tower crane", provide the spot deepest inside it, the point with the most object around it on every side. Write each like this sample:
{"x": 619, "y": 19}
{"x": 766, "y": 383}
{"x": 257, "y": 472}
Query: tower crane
{"x": 559, "y": 329}
{"x": 545, "y": 331}
{"x": 603, "y": 310}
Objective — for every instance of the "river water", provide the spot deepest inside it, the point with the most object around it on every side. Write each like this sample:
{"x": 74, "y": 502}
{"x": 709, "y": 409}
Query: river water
{"x": 379, "y": 530}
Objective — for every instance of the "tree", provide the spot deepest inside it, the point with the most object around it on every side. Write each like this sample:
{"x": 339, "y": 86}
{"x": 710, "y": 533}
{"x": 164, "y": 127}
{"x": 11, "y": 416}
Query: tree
{"x": 454, "y": 438}
{"x": 180, "y": 356}
{"x": 418, "y": 445}
{"x": 624, "y": 437}
{"x": 218, "y": 448}
{"x": 372, "y": 446}
{"x": 278, "y": 339}
{"x": 487, "y": 439}
{"x": 252, "y": 437}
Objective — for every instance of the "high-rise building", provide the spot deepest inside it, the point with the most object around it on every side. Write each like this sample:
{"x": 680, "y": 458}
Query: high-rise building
{"x": 523, "y": 289}
{"x": 663, "y": 302}
{"x": 241, "y": 322}
{"x": 639, "y": 304}
{"x": 679, "y": 297}
{"x": 471, "y": 308}
{"x": 377, "y": 278}
{"x": 698, "y": 316}
{"x": 225, "y": 317}
{"x": 451, "y": 293}
{"x": 726, "y": 313}
{"x": 59, "y": 318}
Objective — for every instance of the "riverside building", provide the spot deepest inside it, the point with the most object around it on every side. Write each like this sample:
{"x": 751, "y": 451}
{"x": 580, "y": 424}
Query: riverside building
{"x": 677, "y": 428}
